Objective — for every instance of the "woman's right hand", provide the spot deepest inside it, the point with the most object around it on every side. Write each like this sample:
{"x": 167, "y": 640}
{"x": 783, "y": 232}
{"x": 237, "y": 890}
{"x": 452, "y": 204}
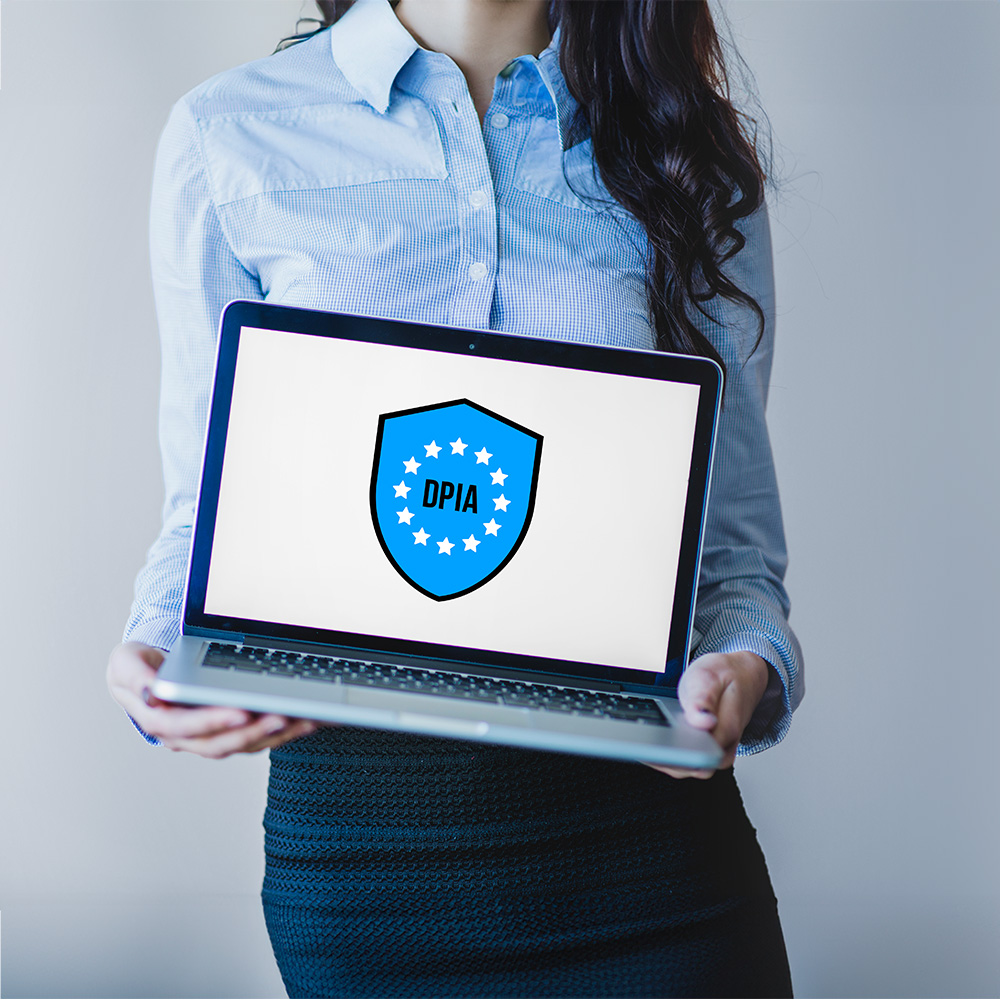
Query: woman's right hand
{"x": 208, "y": 732}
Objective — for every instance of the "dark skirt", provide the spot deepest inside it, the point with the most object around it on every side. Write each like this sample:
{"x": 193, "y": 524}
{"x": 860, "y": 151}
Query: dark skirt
{"x": 407, "y": 866}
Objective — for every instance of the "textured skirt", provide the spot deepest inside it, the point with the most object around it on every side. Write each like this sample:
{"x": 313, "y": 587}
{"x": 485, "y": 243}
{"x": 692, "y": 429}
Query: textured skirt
{"x": 409, "y": 866}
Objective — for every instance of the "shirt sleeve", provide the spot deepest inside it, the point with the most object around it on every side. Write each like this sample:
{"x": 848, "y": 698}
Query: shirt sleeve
{"x": 742, "y": 603}
{"x": 195, "y": 273}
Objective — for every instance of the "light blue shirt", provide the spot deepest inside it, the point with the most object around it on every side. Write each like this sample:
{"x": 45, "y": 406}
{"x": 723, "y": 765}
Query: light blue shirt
{"x": 351, "y": 172}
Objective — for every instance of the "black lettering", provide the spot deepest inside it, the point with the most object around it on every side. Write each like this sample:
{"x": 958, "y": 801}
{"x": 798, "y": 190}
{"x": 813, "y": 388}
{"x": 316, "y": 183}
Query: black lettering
{"x": 447, "y": 492}
{"x": 470, "y": 500}
{"x": 431, "y": 494}
{"x": 458, "y": 496}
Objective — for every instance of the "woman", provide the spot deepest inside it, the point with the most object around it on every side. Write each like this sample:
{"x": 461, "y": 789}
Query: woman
{"x": 418, "y": 161}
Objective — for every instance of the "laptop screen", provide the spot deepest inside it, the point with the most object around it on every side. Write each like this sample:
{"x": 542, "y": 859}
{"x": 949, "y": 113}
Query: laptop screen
{"x": 413, "y": 497}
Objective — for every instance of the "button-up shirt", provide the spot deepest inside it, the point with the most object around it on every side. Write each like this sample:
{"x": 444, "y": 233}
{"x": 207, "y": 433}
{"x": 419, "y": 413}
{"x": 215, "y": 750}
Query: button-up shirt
{"x": 351, "y": 172}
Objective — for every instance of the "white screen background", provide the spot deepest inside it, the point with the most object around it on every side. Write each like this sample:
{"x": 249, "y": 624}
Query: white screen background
{"x": 593, "y": 580}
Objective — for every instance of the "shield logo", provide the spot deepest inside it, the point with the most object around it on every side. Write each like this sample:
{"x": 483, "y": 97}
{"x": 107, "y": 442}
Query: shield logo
{"x": 452, "y": 494}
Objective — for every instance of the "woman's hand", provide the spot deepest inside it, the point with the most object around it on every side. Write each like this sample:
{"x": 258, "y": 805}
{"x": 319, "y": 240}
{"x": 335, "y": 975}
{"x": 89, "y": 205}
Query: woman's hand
{"x": 719, "y": 692}
{"x": 209, "y": 732}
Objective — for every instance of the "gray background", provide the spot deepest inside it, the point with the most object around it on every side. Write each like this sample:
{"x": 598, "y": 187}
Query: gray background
{"x": 134, "y": 872}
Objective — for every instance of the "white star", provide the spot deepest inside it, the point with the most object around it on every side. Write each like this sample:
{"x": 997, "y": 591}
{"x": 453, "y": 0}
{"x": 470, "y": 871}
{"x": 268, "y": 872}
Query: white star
{"x": 498, "y": 477}
{"x": 482, "y": 457}
{"x": 445, "y": 547}
{"x": 458, "y": 447}
{"x": 432, "y": 450}
{"x": 412, "y": 465}
{"x": 420, "y": 537}
{"x": 470, "y": 543}
{"x": 402, "y": 489}
{"x": 491, "y": 526}
{"x": 404, "y": 516}
{"x": 500, "y": 503}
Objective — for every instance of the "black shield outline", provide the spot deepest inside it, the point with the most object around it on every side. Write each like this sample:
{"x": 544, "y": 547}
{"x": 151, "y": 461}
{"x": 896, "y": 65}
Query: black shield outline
{"x": 527, "y": 517}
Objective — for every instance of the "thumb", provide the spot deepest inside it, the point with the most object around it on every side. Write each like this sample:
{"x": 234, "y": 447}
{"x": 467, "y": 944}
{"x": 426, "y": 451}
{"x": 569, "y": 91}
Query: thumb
{"x": 146, "y": 661}
{"x": 700, "y": 692}
{"x": 152, "y": 658}
{"x": 150, "y": 655}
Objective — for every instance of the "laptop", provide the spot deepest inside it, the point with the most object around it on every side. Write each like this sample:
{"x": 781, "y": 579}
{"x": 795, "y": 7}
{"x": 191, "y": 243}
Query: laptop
{"x": 449, "y": 532}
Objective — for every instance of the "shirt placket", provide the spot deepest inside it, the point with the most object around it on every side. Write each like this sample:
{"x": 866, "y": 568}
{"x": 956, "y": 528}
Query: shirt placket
{"x": 476, "y": 208}
{"x": 516, "y": 101}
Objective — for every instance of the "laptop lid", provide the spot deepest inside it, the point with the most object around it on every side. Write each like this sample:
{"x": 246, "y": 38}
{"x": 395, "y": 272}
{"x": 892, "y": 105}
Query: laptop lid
{"x": 483, "y": 499}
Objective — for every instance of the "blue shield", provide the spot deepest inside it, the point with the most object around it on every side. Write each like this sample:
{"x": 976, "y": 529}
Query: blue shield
{"x": 452, "y": 494}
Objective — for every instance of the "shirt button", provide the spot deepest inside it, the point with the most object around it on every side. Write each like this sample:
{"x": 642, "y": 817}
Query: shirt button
{"x": 477, "y": 199}
{"x": 500, "y": 120}
{"x": 477, "y": 271}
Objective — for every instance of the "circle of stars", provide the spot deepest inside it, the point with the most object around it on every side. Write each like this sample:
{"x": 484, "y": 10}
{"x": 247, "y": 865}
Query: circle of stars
{"x": 500, "y": 503}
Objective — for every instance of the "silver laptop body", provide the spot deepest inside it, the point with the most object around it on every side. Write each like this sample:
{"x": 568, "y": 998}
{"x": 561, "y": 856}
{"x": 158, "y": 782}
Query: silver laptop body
{"x": 449, "y": 532}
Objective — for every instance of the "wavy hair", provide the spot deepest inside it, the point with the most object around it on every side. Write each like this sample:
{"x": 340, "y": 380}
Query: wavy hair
{"x": 653, "y": 92}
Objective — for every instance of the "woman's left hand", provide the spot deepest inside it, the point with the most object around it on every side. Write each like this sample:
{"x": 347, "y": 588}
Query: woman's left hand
{"x": 719, "y": 692}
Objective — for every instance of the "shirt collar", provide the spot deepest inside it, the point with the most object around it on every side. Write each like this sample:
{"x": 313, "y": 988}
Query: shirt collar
{"x": 555, "y": 83}
{"x": 549, "y": 75}
{"x": 370, "y": 47}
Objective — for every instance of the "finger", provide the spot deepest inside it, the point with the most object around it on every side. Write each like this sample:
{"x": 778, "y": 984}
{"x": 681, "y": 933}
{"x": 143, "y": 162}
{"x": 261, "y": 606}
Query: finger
{"x": 726, "y": 723}
{"x": 235, "y": 739}
{"x": 297, "y": 729}
{"x": 681, "y": 772}
{"x": 152, "y": 714}
{"x": 732, "y": 721}
{"x": 149, "y": 655}
{"x": 263, "y": 733}
{"x": 700, "y": 718}
{"x": 277, "y": 734}
{"x": 131, "y": 669}
{"x": 699, "y": 693}
{"x": 128, "y": 675}
{"x": 131, "y": 664}
{"x": 132, "y": 702}
{"x": 174, "y": 722}
{"x": 166, "y": 721}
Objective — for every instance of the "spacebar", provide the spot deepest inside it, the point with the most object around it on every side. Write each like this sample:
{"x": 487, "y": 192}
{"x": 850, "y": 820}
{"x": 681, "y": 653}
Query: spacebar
{"x": 434, "y": 687}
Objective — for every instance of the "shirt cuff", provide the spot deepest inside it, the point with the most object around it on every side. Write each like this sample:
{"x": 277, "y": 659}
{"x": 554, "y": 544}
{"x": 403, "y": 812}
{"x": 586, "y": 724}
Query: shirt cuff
{"x": 773, "y": 715}
{"x": 151, "y": 740}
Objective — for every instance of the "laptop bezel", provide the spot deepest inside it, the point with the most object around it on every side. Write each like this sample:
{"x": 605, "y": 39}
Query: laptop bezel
{"x": 240, "y": 314}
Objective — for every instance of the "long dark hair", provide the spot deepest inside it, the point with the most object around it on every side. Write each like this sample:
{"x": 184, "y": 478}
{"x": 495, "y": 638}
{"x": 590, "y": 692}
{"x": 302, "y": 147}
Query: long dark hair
{"x": 650, "y": 78}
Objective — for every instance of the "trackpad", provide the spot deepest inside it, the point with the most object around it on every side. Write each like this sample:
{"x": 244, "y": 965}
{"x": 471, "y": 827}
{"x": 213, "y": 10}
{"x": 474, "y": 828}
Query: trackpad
{"x": 440, "y": 724}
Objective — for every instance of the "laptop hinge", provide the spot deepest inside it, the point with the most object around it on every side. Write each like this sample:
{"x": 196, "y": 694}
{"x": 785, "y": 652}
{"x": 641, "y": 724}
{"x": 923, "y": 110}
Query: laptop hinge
{"x": 210, "y": 633}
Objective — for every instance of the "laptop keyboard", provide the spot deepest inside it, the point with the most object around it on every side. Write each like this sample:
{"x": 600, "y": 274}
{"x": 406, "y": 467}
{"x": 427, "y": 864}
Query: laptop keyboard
{"x": 495, "y": 691}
